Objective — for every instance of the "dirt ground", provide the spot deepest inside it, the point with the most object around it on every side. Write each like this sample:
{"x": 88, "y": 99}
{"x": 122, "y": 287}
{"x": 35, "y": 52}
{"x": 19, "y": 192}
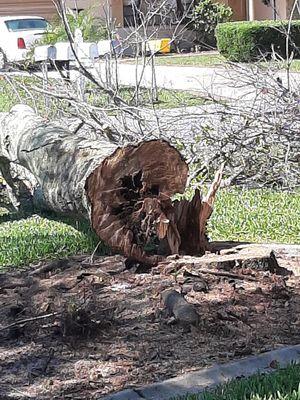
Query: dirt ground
{"x": 103, "y": 328}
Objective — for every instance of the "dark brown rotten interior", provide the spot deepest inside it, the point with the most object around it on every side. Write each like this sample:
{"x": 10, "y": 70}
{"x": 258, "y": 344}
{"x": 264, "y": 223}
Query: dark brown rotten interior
{"x": 132, "y": 211}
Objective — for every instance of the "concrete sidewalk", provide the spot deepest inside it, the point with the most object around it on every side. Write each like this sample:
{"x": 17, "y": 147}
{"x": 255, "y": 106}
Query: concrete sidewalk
{"x": 207, "y": 378}
{"x": 221, "y": 82}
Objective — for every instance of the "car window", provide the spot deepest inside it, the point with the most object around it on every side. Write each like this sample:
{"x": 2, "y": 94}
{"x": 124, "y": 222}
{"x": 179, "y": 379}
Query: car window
{"x": 25, "y": 24}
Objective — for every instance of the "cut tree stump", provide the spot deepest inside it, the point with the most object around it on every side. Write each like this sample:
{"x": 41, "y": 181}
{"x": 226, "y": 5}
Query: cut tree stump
{"x": 125, "y": 192}
{"x": 227, "y": 256}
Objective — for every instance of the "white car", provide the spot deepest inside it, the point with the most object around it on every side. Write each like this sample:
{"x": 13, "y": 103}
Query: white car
{"x": 17, "y": 34}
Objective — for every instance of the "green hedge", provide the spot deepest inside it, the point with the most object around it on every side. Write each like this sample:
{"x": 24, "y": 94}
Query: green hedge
{"x": 252, "y": 40}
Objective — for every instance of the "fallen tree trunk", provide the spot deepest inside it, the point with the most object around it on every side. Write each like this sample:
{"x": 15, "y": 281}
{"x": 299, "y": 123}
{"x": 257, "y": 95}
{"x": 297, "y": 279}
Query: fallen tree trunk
{"x": 125, "y": 192}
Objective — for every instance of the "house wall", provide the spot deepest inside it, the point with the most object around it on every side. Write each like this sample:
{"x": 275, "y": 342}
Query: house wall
{"x": 46, "y": 8}
{"x": 43, "y": 8}
{"x": 281, "y": 9}
{"x": 100, "y": 8}
{"x": 289, "y": 9}
{"x": 242, "y": 9}
{"x": 238, "y": 8}
{"x": 258, "y": 11}
{"x": 117, "y": 11}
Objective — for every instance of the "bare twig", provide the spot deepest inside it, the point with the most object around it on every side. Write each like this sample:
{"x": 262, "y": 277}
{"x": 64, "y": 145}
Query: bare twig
{"x": 220, "y": 273}
{"x": 27, "y": 320}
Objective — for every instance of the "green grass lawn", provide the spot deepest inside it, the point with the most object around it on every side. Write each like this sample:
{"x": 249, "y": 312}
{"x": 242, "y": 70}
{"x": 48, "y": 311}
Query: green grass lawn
{"x": 253, "y": 215}
{"x": 212, "y": 60}
{"x": 278, "y": 65}
{"x": 166, "y": 98}
{"x": 195, "y": 60}
{"x": 256, "y": 216}
{"x": 283, "y": 384}
{"x": 295, "y": 66}
{"x": 31, "y": 239}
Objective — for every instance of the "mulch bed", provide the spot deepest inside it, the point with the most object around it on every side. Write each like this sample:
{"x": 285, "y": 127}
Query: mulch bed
{"x": 104, "y": 327}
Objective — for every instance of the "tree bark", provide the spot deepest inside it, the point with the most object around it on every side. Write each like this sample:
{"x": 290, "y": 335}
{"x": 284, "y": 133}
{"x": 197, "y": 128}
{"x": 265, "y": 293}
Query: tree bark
{"x": 179, "y": 8}
{"x": 125, "y": 192}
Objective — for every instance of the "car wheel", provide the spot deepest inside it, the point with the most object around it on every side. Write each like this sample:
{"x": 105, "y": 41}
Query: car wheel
{"x": 2, "y": 60}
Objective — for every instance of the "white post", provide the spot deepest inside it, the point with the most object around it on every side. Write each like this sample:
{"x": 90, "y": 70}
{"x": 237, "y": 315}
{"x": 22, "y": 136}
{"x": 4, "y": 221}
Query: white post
{"x": 251, "y": 10}
{"x": 154, "y": 93}
{"x": 78, "y": 39}
{"x": 44, "y": 68}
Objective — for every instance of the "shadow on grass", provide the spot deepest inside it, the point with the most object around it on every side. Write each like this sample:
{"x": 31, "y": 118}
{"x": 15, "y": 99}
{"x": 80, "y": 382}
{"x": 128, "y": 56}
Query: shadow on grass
{"x": 49, "y": 237}
{"x": 80, "y": 225}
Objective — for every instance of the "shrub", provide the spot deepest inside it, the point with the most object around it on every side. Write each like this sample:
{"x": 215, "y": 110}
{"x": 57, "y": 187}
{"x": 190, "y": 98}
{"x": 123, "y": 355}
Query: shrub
{"x": 92, "y": 30}
{"x": 207, "y": 14}
{"x": 253, "y": 40}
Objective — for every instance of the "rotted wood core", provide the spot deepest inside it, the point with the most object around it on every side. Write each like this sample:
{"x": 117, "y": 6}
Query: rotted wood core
{"x": 130, "y": 195}
{"x": 132, "y": 209}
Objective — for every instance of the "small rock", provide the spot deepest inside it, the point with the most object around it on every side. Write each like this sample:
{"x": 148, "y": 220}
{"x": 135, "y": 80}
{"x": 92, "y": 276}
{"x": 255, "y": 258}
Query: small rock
{"x": 15, "y": 332}
{"x": 15, "y": 310}
{"x": 260, "y": 308}
{"x": 280, "y": 292}
{"x": 200, "y": 286}
{"x": 258, "y": 290}
{"x": 177, "y": 306}
{"x": 274, "y": 364}
{"x": 185, "y": 289}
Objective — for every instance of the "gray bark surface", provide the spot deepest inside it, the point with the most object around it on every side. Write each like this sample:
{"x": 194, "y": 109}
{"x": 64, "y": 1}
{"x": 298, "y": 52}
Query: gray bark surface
{"x": 123, "y": 192}
{"x": 53, "y": 163}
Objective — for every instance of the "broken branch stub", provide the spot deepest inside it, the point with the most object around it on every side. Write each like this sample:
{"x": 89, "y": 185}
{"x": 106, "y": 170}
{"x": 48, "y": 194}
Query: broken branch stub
{"x": 125, "y": 192}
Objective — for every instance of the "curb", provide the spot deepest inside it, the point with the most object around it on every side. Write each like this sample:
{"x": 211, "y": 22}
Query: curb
{"x": 196, "y": 382}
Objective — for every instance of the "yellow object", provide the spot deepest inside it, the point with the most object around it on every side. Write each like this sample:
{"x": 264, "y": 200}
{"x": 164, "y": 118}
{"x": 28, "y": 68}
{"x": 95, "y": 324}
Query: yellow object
{"x": 160, "y": 46}
{"x": 165, "y": 46}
